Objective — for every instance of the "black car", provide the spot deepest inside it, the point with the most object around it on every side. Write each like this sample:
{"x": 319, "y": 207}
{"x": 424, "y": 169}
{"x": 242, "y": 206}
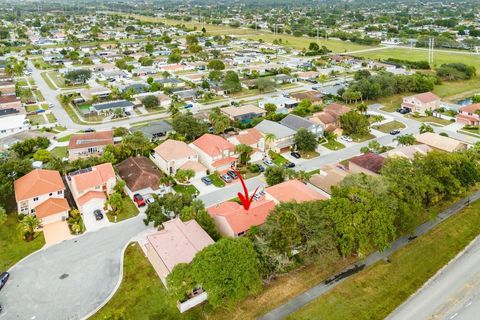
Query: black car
{"x": 394, "y": 132}
{"x": 295, "y": 154}
{"x": 98, "y": 214}
{"x": 260, "y": 168}
{"x": 89, "y": 130}
{"x": 403, "y": 110}
{"x": 4, "y": 278}
{"x": 289, "y": 164}
{"x": 232, "y": 174}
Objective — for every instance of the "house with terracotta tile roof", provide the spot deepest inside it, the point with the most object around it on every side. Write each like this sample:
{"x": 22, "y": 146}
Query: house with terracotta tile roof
{"x": 232, "y": 220}
{"x": 421, "y": 102}
{"x": 467, "y": 115}
{"x": 292, "y": 190}
{"x": 41, "y": 192}
{"x": 140, "y": 174}
{"x": 178, "y": 242}
{"x": 214, "y": 152}
{"x": 91, "y": 186}
{"x": 84, "y": 145}
{"x": 244, "y": 113}
{"x": 173, "y": 155}
{"x": 253, "y": 138}
{"x": 369, "y": 163}
{"x": 329, "y": 118}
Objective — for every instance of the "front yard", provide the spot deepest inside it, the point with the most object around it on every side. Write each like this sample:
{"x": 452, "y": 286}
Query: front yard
{"x": 216, "y": 180}
{"x": 187, "y": 189}
{"x": 430, "y": 119}
{"x": 278, "y": 159}
{"x": 389, "y": 126}
{"x": 129, "y": 210}
{"x": 333, "y": 145}
{"x": 13, "y": 247}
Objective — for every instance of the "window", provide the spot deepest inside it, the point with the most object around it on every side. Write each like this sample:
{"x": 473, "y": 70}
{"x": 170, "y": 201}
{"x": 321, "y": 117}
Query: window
{"x": 50, "y": 194}
{"x": 60, "y": 192}
{"x": 35, "y": 199}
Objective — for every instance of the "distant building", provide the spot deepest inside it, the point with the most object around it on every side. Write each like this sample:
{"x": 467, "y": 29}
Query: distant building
{"x": 89, "y": 144}
{"x": 421, "y": 103}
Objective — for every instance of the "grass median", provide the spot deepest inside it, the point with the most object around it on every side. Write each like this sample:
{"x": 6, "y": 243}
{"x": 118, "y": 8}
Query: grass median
{"x": 377, "y": 291}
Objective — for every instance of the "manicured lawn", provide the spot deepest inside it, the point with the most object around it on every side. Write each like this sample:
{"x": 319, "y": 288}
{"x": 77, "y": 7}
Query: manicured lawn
{"x": 47, "y": 80}
{"x": 216, "y": 180}
{"x": 278, "y": 159}
{"x": 389, "y": 126}
{"x": 309, "y": 154}
{"x": 439, "y": 121}
{"x": 31, "y": 107}
{"x": 378, "y": 290}
{"x": 65, "y": 138}
{"x": 129, "y": 210}
{"x": 39, "y": 95}
{"x": 36, "y": 119}
{"x": 13, "y": 247}
{"x": 60, "y": 152}
{"x": 51, "y": 118}
{"x": 363, "y": 138}
{"x": 142, "y": 295}
{"x": 188, "y": 189}
{"x": 333, "y": 145}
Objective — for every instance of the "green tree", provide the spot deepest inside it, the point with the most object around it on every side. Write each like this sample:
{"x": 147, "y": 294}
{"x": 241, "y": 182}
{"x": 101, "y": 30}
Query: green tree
{"x": 155, "y": 214}
{"x": 151, "y": 102}
{"x": 244, "y": 151}
{"x": 354, "y": 124}
{"x": 219, "y": 120}
{"x": 149, "y": 47}
{"x": 275, "y": 175}
{"x": 265, "y": 84}
{"x": 231, "y": 82}
{"x": 425, "y": 128}
{"x": 305, "y": 140}
{"x": 184, "y": 176}
{"x": 405, "y": 139}
{"x": 42, "y": 155}
{"x": 270, "y": 108}
{"x": 216, "y": 65}
{"x": 283, "y": 228}
{"x": 137, "y": 143}
{"x": 3, "y": 216}
{"x": 189, "y": 126}
{"x": 196, "y": 210}
{"x": 28, "y": 225}
{"x": 115, "y": 202}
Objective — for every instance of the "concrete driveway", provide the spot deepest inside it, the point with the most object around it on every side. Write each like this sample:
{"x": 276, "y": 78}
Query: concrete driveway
{"x": 202, "y": 187}
{"x": 91, "y": 224}
{"x": 56, "y": 232}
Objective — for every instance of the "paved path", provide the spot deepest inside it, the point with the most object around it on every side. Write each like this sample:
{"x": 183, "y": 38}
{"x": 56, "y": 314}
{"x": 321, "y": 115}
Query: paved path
{"x": 70, "y": 279}
{"x": 308, "y": 296}
{"x": 453, "y": 293}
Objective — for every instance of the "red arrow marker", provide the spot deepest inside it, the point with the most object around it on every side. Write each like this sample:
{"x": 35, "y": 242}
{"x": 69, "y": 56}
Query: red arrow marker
{"x": 245, "y": 198}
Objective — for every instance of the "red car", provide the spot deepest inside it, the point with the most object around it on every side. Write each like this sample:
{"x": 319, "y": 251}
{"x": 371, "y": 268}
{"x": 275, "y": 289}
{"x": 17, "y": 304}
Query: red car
{"x": 138, "y": 199}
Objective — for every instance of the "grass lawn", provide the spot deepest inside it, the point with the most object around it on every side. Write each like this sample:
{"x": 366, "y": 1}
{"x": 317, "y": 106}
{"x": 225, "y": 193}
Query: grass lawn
{"x": 378, "y": 290}
{"x": 216, "y": 180}
{"x": 363, "y": 138}
{"x": 392, "y": 102}
{"x": 419, "y": 54}
{"x": 31, "y": 107}
{"x": 432, "y": 119}
{"x": 245, "y": 93}
{"x": 14, "y": 248}
{"x": 60, "y": 152}
{"x": 141, "y": 295}
{"x": 278, "y": 159}
{"x": 333, "y": 145}
{"x": 39, "y": 95}
{"x": 389, "y": 126}
{"x": 47, "y": 80}
{"x": 187, "y": 189}
{"x": 129, "y": 210}
{"x": 65, "y": 138}
{"x": 51, "y": 118}
{"x": 57, "y": 78}
{"x": 36, "y": 119}
{"x": 309, "y": 154}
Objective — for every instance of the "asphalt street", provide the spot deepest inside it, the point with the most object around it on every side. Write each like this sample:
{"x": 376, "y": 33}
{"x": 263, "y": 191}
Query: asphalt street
{"x": 68, "y": 280}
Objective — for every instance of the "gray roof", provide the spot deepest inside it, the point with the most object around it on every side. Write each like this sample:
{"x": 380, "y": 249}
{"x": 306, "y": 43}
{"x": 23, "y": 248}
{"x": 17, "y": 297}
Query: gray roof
{"x": 154, "y": 129}
{"x": 280, "y": 131}
{"x": 112, "y": 105}
{"x": 295, "y": 122}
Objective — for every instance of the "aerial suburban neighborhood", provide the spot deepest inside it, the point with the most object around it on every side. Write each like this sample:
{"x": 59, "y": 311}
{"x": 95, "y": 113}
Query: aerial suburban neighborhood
{"x": 239, "y": 159}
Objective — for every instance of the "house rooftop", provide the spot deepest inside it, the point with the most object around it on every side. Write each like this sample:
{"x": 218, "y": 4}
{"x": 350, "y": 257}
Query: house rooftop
{"x": 37, "y": 182}
{"x": 243, "y": 110}
{"x": 370, "y": 161}
{"x": 139, "y": 173}
{"x": 295, "y": 122}
{"x": 293, "y": 190}
{"x": 440, "y": 142}
{"x": 426, "y": 97}
{"x": 280, "y": 131}
{"x": 93, "y": 139}
{"x": 51, "y": 206}
{"x": 213, "y": 145}
{"x": 93, "y": 176}
{"x": 174, "y": 150}
{"x": 179, "y": 242}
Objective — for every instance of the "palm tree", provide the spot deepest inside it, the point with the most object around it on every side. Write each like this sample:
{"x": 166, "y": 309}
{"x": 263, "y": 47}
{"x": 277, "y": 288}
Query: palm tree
{"x": 28, "y": 225}
{"x": 362, "y": 108}
{"x": 405, "y": 140}
{"x": 425, "y": 128}
{"x": 244, "y": 150}
{"x": 269, "y": 139}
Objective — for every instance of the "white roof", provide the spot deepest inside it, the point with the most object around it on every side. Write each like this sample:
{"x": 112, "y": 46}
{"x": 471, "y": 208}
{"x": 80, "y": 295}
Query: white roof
{"x": 12, "y": 122}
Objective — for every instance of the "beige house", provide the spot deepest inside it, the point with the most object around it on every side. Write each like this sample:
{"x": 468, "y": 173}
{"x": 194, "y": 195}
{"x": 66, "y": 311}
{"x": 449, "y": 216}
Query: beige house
{"x": 173, "y": 155}
{"x": 41, "y": 192}
{"x": 442, "y": 143}
{"x": 422, "y": 102}
{"x": 88, "y": 144}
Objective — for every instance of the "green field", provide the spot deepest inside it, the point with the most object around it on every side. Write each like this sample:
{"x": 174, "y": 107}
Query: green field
{"x": 333, "y": 145}
{"x": 141, "y": 295}
{"x": 378, "y": 290}
{"x": 14, "y": 248}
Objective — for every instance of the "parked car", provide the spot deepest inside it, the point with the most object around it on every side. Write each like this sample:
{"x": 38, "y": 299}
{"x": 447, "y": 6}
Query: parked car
{"x": 232, "y": 174}
{"x": 138, "y": 199}
{"x": 226, "y": 178}
{"x": 289, "y": 164}
{"x": 98, "y": 214}
{"x": 260, "y": 168}
{"x": 51, "y": 105}
{"x": 346, "y": 138}
{"x": 403, "y": 110}
{"x": 89, "y": 130}
{"x": 150, "y": 200}
{"x": 4, "y": 278}
{"x": 394, "y": 132}
{"x": 128, "y": 113}
{"x": 268, "y": 162}
{"x": 207, "y": 181}
{"x": 295, "y": 154}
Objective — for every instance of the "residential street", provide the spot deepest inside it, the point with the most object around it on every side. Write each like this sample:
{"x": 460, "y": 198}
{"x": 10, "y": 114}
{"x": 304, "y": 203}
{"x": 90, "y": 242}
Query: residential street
{"x": 315, "y": 292}
{"x": 230, "y": 191}
{"x": 453, "y": 293}
{"x": 80, "y": 273}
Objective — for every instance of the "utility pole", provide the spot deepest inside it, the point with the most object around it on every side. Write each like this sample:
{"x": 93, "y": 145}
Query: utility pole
{"x": 431, "y": 45}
